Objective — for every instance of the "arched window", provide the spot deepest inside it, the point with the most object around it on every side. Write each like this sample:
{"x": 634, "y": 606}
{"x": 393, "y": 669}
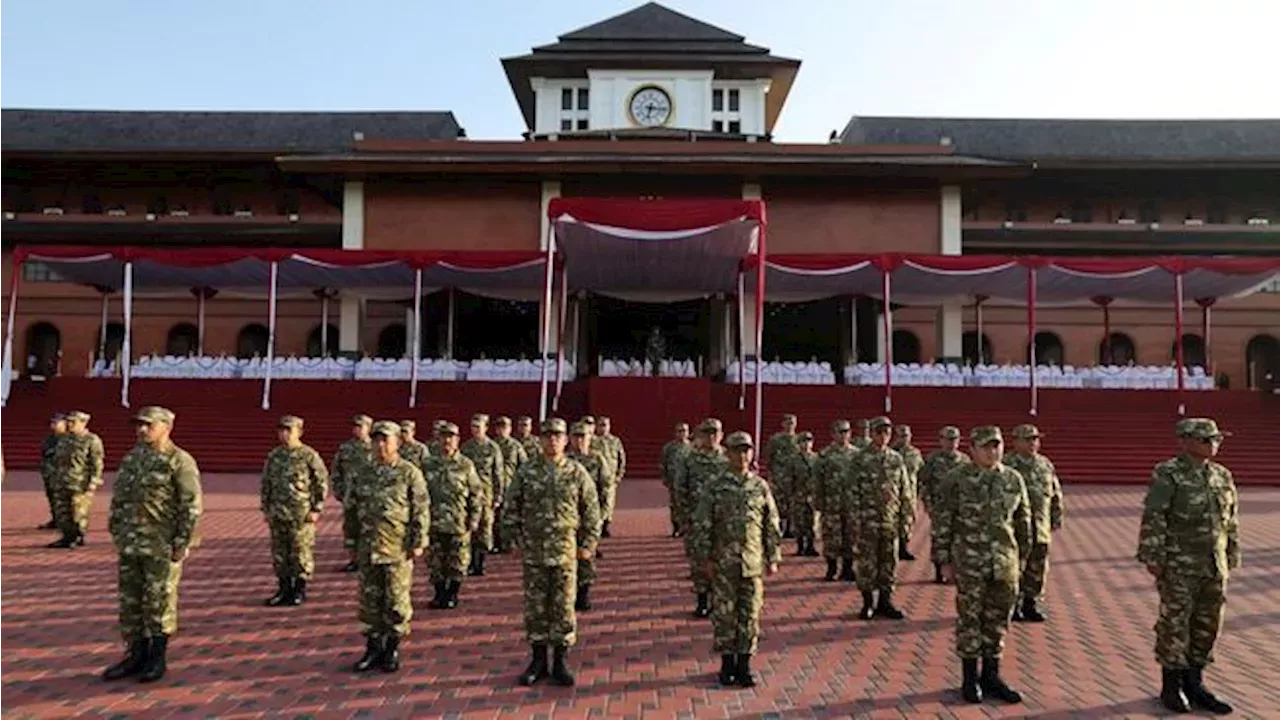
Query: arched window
{"x": 115, "y": 342}
{"x": 1262, "y": 360}
{"x": 906, "y": 347}
{"x": 252, "y": 341}
{"x": 330, "y": 339}
{"x": 1049, "y": 349}
{"x": 184, "y": 340}
{"x": 1193, "y": 353}
{"x": 969, "y": 348}
{"x": 44, "y": 349}
{"x": 1117, "y": 349}
{"x": 393, "y": 341}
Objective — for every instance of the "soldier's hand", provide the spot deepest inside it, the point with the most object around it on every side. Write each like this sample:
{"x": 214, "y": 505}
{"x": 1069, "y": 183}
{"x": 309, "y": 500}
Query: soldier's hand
{"x": 416, "y": 553}
{"x": 584, "y": 553}
{"x": 772, "y": 568}
{"x": 1154, "y": 570}
{"x": 949, "y": 573}
{"x": 180, "y": 555}
{"x": 313, "y": 517}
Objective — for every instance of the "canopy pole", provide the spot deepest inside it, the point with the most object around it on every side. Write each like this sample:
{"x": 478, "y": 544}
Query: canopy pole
{"x": 126, "y": 349}
{"x": 200, "y": 310}
{"x": 1177, "y": 341}
{"x": 1206, "y": 332}
{"x": 760, "y": 269}
{"x": 271, "y": 336}
{"x": 560, "y": 320}
{"x": 8, "y": 332}
{"x": 546, "y": 320}
{"x": 417, "y": 337}
{"x": 102, "y": 330}
{"x": 977, "y": 320}
{"x": 886, "y": 317}
{"x": 1031, "y": 338}
{"x": 742, "y": 342}
{"x": 448, "y": 338}
{"x": 1106, "y": 333}
{"x": 324, "y": 322}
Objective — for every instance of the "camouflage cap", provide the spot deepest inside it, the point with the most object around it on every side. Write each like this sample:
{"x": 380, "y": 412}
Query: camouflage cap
{"x": 603, "y": 419}
{"x": 902, "y": 429}
{"x": 290, "y": 421}
{"x": 789, "y": 418}
{"x": 155, "y": 414}
{"x": 408, "y": 425}
{"x": 553, "y": 426}
{"x": 1026, "y": 432}
{"x": 841, "y": 426}
{"x": 386, "y": 427}
{"x": 682, "y": 424}
{"x": 444, "y": 427}
{"x": 524, "y": 420}
{"x": 985, "y": 434}
{"x": 439, "y": 423}
{"x": 361, "y": 419}
{"x": 502, "y": 421}
{"x": 863, "y": 424}
{"x": 58, "y": 417}
{"x": 710, "y": 425}
{"x": 480, "y": 419}
{"x": 578, "y": 428}
{"x": 805, "y": 436}
{"x": 739, "y": 439}
{"x": 876, "y": 423}
{"x": 78, "y": 416}
{"x": 950, "y": 432}
{"x": 588, "y": 419}
{"x": 1200, "y": 429}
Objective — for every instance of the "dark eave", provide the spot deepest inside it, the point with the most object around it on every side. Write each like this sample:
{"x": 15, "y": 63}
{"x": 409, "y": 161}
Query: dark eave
{"x": 1109, "y": 238}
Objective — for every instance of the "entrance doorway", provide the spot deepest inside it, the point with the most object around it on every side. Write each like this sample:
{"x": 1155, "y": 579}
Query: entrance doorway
{"x": 623, "y": 330}
{"x": 44, "y": 350}
{"x": 1262, "y": 361}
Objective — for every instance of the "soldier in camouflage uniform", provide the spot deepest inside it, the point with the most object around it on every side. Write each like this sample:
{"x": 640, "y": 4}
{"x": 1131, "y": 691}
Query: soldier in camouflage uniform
{"x": 553, "y": 515}
{"x": 79, "y": 473}
{"x": 863, "y": 438}
{"x": 1190, "y": 543}
{"x": 348, "y": 465}
{"x": 777, "y": 457}
{"x": 490, "y": 467}
{"x": 580, "y": 442}
{"x": 456, "y": 497}
{"x": 801, "y": 476}
{"x": 704, "y": 461}
{"x": 393, "y": 510}
{"x": 672, "y": 455}
{"x": 524, "y": 433}
{"x": 984, "y": 535}
{"x": 294, "y": 486}
{"x": 615, "y": 465}
{"x": 831, "y": 501}
{"x": 49, "y": 466}
{"x": 737, "y": 541}
{"x": 914, "y": 461}
{"x": 877, "y": 487}
{"x": 437, "y": 438}
{"x": 155, "y": 506}
{"x": 411, "y": 448}
{"x": 1045, "y": 492}
{"x": 513, "y": 456}
{"x": 936, "y": 466}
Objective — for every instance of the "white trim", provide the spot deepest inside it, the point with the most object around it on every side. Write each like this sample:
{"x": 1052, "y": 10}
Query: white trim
{"x": 353, "y": 215}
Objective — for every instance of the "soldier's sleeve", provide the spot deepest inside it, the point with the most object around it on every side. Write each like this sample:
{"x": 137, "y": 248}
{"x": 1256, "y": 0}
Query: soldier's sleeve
{"x": 264, "y": 498}
{"x": 511, "y": 510}
{"x": 1022, "y": 521}
{"x": 703, "y": 523}
{"x": 772, "y": 534}
{"x": 664, "y": 464}
{"x": 590, "y": 522}
{"x": 1233, "y": 525}
{"x": 188, "y": 501}
{"x": 622, "y": 460}
{"x": 944, "y": 512}
{"x": 907, "y": 504}
{"x": 1057, "y": 502}
{"x": 96, "y": 462}
{"x": 319, "y": 482}
{"x": 497, "y": 468}
{"x": 419, "y": 510}
{"x": 678, "y": 479}
{"x": 473, "y": 497}
{"x": 337, "y": 481}
{"x": 1155, "y": 521}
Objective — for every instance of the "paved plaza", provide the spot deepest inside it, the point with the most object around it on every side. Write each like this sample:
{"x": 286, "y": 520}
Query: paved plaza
{"x": 640, "y": 652}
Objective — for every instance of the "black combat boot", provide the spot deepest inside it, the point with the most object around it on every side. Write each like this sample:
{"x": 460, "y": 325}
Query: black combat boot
{"x": 809, "y": 550}
{"x": 299, "y": 595}
{"x": 800, "y": 547}
{"x": 787, "y": 533}
{"x": 993, "y": 685}
{"x": 904, "y": 553}
{"x": 704, "y": 607}
{"x": 584, "y": 598}
{"x": 745, "y": 678}
{"x": 1199, "y": 697}
{"x": 390, "y": 659}
{"x": 970, "y": 690}
{"x": 51, "y": 525}
{"x": 351, "y": 567}
{"x": 132, "y": 663}
{"x": 560, "y": 674}
{"x": 471, "y": 568}
{"x": 453, "y": 588}
{"x": 479, "y": 560}
{"x": 441, "y": 596}
{"x": 831, "y": 570}
{"x": 728, "y": 675}
{"x": 846, "y": 570}
{"x": 372, "y": 654}
{"x": 1171, "y": 695}
{"x": 64, "y": 542}
{"x": 885, "y": 608}
{"x": 154, "y": 668}
{"x": 537, "y": 669}
{"x": 868, "y": 610}
{"x": 284, "y": 593}
{"x": 1031, "y": 613}
{"x": 604, "y": 530}
{"x": 937, "y": 575}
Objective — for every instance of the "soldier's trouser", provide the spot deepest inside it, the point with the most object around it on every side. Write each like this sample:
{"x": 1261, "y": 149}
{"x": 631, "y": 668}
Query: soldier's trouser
{"x": 148, "y": 590}
{"x": 907, "y": 516}
{"x": 549, "y": 595}
{"x": 448, "y": 557}
{"x": 51, "y": 495}
{"x": 933, "y": 538}
{"x": 804, "y": 520}
{"x": 877, "y": 559}
{"x": 1191, "y": 612}
{"x": 671, "y": 506}
{"x": 782, "y": 494}
{"x": 63, "y": 515}
{"x": 385, "y": 604}
{"x": 80, "y": 503}
{"x": 293, "y": 549}
{"x": 837, "y": 536}
{"x": 608, "y": 500}
{"x": 482, "y": 538}
{"x": 983, "y": 606}
{"x": 736, "y": 602}
{"x": 701, "y": 580}
{"x": 350, "y": 527}
{"x": 1035, "y": 572}
{"x": 586, "y": 571}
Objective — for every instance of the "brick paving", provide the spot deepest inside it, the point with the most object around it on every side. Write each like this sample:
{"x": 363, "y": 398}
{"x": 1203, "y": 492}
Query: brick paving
{"x": 640, "y": 654}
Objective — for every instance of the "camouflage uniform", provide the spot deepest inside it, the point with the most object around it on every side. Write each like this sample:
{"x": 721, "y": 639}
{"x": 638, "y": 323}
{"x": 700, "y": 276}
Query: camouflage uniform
{"x": 596, "y": 471}
{"x": 802, "y": 478}
{"x": 294, "y": 485}
{"x": 413, "y": 450}
{"x": 456, "y": 497}
{"x": 551, "y": 512}
{"x": 393, "y": 511}
{"x": 49, "y": 469}
{"x": 700, "y": 466}
{"x": 155, "y": 506}
{"x": 79, "y": 474}
{"x": 778, "y": 452}
{"x": 1045, "y": 493}
{"x": 490, "y": 467}
{"x": 877, "y": 483}
{"x": 531, "y": 444}
{"x": 936, "y": 467}
{"x": 913, "y": 460}
{"x": 863, "y": 438}
{"x": 348, "y": 465}
{"x": 831, "y": 501}
{"x": 513, "y": 456}
{"x": 672, "y": 456}
{"x": 615, "y": 464}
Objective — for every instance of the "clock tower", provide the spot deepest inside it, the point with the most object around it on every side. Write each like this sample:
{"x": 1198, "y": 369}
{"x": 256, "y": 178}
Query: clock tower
{"x": 651, "y": 72}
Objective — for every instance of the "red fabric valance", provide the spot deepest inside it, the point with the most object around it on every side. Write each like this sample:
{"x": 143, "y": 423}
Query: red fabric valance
{"x": 658, "y": 215}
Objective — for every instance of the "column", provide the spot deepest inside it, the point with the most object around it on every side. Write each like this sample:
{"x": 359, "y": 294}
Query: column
{"x": 550, "y": 191}
{"x": 350, "y": 307}
{"x": 949, "y": 322}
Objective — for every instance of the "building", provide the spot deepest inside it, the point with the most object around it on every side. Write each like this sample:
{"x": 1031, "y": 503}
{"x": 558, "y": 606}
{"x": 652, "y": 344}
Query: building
{"x": 649, "y": 104}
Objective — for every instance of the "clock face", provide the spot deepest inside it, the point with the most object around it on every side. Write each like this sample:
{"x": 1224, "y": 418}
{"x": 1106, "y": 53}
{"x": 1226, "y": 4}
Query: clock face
{"x": 650, "y": 106}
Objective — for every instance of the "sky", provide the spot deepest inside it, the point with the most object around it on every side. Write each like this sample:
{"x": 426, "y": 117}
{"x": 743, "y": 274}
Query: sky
{"x": 953, "y": 58}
